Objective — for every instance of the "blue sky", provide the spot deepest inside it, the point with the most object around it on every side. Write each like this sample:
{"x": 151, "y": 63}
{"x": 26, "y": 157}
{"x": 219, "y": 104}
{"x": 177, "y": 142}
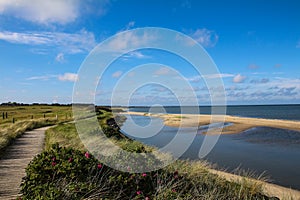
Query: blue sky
{"x": 255, "y": 45}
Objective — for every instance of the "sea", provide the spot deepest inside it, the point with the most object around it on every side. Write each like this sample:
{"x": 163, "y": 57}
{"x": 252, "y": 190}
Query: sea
{"x": 271, "y": 152}
{"x": 288, "y": 112}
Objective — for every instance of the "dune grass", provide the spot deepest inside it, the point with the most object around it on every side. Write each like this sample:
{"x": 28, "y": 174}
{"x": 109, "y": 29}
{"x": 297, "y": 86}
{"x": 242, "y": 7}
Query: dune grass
{"x": 9, "y": 133}
{"x": 196, "y": 182}
{"x": 27, "y": 118}
{"x": 21, "y": 113}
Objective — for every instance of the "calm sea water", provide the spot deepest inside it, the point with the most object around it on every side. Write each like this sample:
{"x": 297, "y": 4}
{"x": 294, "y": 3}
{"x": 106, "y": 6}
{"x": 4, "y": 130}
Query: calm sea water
{"x": 275, "y": 152}
{"x": 289, "y": 112}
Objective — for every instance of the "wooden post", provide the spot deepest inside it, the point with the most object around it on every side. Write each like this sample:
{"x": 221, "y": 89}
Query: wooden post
{"x": 44, "y": 115}
{"x": 6, "y": 115}
{"x": 3, "y": 116}
{"x": 13, "y": 120}
{"x": 31, "y": 116}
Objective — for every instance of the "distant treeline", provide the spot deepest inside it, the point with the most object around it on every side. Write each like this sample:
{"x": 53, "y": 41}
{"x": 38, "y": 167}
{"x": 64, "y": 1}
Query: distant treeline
{"x": 106, "y": 108}
{"x": 33, "y": 104}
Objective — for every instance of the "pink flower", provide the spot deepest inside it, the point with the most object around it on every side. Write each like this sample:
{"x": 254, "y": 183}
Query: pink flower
{"x": 139, "y": 192}
{"x": 53, "y": 159}
{"x": 147, "y": 198}
{"x": 128, "y": 168}
{"x": 70, "y": 160}
{"x": 99, "y": 166}
{"x": 53, "y": 164}
{"x": 176, "y": 174}
{"x": 87, "y": 155}
{"x": 173, "y": 190}
{"x": 144, "y": 174}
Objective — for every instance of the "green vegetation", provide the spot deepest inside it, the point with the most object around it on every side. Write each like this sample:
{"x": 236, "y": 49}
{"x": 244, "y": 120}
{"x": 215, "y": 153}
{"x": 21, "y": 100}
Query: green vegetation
{"x": 28, "y": 112}
{"x": 15, "y": 120}
{"x": 70, "y": 137}
{"x": 67, "y": 171}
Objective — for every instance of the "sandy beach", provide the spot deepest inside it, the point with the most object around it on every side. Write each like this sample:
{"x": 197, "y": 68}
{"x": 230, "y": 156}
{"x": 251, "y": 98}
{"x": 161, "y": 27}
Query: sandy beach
{"x": 239, "y": 124}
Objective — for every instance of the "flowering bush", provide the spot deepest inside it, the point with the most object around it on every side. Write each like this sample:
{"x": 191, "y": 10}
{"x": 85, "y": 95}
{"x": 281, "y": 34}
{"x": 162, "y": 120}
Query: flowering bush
{"x": 72, "y": 174}
{"x": 57, "y": 167}
{"x": 65, "y": 173}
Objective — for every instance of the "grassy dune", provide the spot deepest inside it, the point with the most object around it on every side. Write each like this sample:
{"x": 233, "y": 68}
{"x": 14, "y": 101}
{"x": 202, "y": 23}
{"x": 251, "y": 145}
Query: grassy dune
{"x": 196, "y": 179}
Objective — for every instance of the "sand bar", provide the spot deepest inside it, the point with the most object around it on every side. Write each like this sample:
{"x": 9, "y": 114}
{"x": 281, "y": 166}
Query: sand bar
{"x": 239, "y": 123}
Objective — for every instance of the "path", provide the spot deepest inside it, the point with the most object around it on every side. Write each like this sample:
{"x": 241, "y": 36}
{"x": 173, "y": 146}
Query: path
{"x": 15, "y": 159}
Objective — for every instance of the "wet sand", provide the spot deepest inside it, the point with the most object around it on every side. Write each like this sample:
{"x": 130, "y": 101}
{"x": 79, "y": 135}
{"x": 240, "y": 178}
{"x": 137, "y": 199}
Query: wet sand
{"x": 239, "y": 123}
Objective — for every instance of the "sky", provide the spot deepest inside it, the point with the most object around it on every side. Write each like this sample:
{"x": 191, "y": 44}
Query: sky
{"x": 254, "y": 44}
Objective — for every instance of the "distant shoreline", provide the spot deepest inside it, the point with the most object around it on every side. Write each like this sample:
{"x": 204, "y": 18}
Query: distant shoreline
{"x": 240, "y": 124}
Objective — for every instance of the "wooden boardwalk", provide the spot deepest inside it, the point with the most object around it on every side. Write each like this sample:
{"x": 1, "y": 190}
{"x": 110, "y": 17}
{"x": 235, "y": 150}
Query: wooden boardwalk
{"x": 15, "y": 159}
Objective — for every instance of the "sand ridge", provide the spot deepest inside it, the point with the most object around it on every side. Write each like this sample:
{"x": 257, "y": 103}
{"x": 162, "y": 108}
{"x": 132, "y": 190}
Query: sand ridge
{"x": 239, "y": 123}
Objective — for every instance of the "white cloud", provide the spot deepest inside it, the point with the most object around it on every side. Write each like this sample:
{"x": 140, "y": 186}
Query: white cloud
{"x": 129, "y": 40}
{"x": 211, "y": 76}
{"x": 43, "y": 78}
{"x": 197, "y": 79}
{"x": 81, "y": 41}
{"x": 135, "y": 54}
{"x": 239, "y": 78}
{"x": 130, "y": 25}
{"x": 117, "y": 74}
{"x": 205, "y": 37}
{"x": 51, "y": 11}
{"x": 163, "y": 71}
{"x": 42, "y": 12}
{"x": 60, "y": 57}
{"x": 68, "y": 77}
{"x": 273, "y": 90}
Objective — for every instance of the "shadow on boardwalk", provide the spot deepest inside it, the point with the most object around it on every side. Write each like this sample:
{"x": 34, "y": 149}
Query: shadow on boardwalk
{"x": 14, "y": 160}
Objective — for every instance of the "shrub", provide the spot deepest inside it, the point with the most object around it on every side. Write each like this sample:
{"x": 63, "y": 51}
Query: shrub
{"x": 72, "y": 174}
{"x": 65, "y": 173}
{"x": 60, "y": 172}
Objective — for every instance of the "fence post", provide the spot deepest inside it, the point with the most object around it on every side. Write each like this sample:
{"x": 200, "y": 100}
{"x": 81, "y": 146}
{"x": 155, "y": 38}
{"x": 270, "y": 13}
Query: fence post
{"x": 44, "y": 115}
{"x": 13, "y": 120}
{"x": 31, "y": 116}
{"x": 3, "y": 116}
{"x": 6, "y": 115}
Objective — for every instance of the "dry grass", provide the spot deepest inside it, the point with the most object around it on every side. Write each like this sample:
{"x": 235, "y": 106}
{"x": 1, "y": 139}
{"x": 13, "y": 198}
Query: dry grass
{"x": 27, "y": 118}
{"x": 9, "y": 133}
{"x": 21, "y": 113}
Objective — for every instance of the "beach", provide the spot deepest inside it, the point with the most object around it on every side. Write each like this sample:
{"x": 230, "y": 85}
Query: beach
{"x": 238, "y": 125}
